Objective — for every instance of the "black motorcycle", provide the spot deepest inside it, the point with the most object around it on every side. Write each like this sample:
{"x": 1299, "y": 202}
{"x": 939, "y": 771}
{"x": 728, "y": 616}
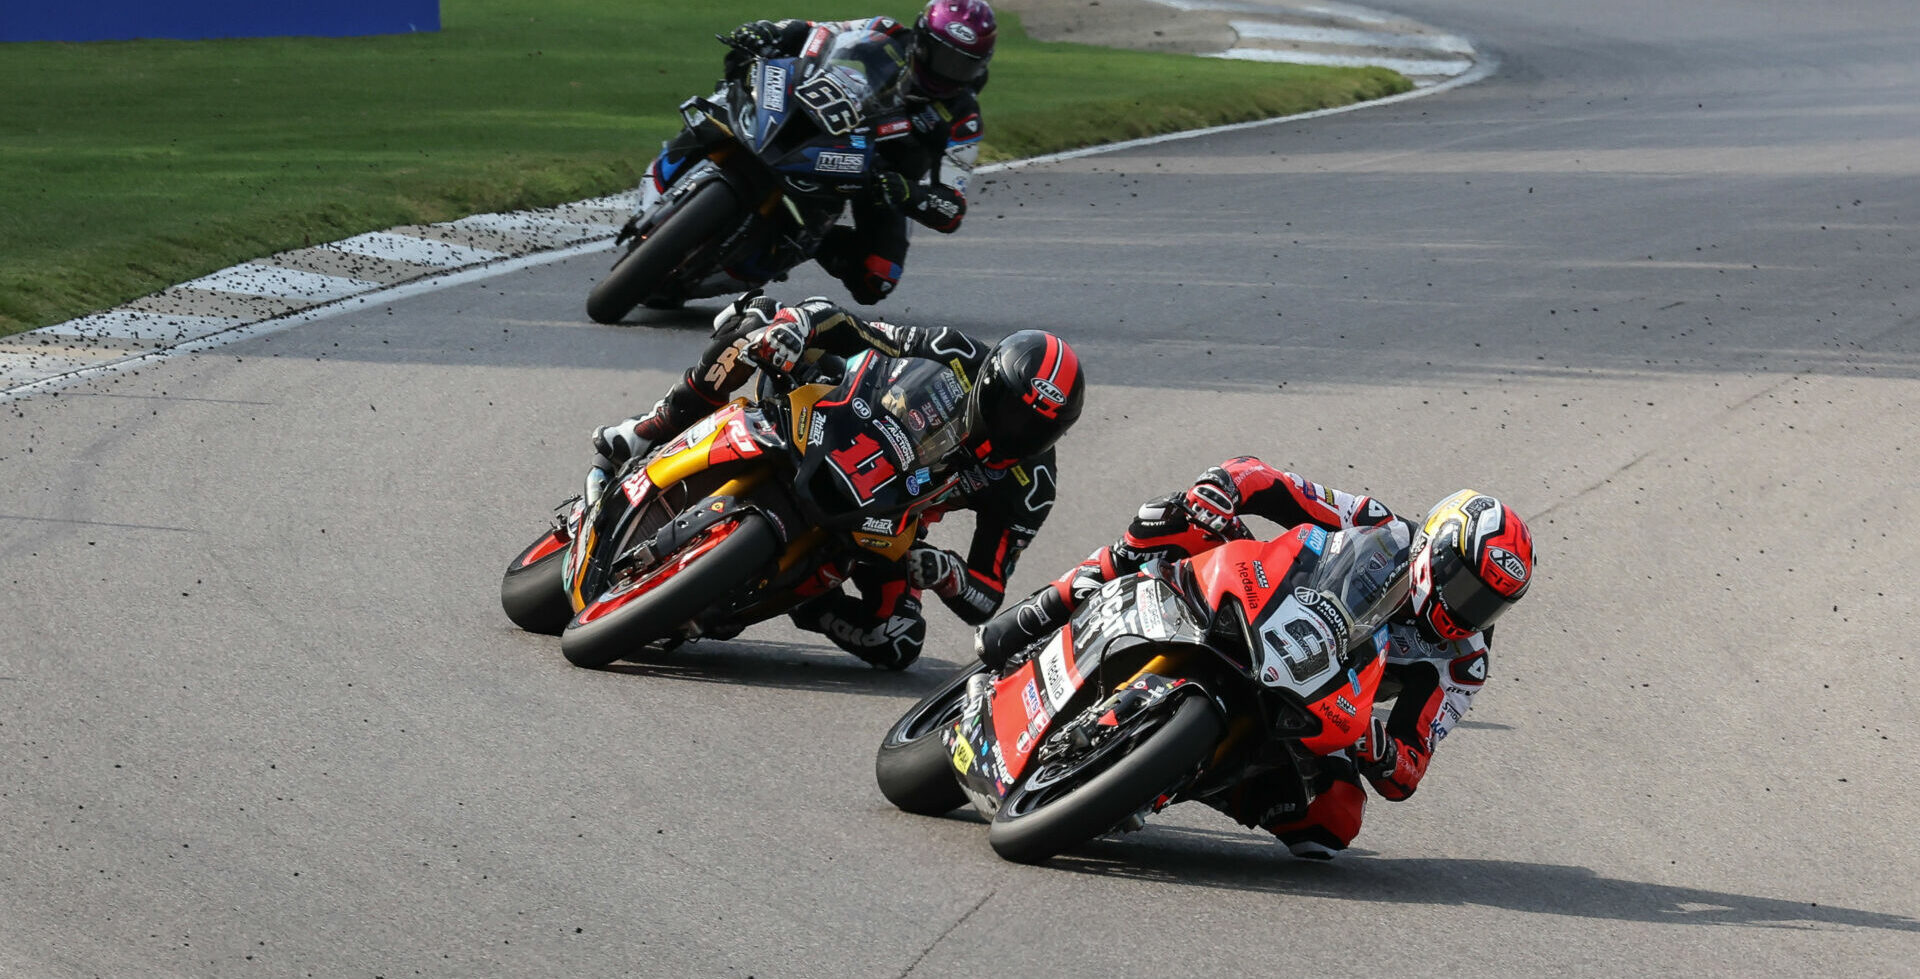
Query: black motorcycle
{"x": 784, "y": 142}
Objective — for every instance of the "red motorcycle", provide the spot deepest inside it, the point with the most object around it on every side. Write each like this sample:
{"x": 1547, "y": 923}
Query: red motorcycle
{"x": 1167, "y": 686}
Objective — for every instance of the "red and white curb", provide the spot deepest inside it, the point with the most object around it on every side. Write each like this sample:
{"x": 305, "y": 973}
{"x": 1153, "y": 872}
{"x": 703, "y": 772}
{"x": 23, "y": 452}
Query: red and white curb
{"x": 280, "y": 291}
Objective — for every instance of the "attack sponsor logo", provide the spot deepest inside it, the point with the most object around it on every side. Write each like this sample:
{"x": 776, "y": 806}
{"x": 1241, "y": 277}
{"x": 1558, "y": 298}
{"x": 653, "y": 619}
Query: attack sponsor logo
{"x": 877, "y": 525}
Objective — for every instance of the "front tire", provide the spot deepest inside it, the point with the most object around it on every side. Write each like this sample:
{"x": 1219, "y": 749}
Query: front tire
{"x": 1031, "y": 827}
{"x": 645, "y": 268}
{"x": 708, "y": 568}
{"x": 913, "y": 767}
{"x": 531, "y": 593}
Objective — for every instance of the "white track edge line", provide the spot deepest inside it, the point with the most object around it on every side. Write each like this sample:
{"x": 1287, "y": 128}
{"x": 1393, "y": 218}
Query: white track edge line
{"x": 1484, "y": 68}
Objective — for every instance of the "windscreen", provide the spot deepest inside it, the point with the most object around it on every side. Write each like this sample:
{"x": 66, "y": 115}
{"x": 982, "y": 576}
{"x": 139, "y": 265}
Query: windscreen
{"x": 1364, "y": 570}
{"x": 854, "y": 78}
{"x": 925, "y": 398}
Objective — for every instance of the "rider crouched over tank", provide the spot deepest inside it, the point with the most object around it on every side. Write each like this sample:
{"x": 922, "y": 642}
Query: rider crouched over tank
{"x": 1470, "y": 560}
{"x": 928, "y": 157}
{"x": 1018, "y": 397}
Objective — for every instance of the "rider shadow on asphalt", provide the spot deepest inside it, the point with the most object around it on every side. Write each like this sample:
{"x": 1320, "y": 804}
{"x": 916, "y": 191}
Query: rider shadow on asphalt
{"x": 1177, "y": 855}
{"x": 816, "y": 667}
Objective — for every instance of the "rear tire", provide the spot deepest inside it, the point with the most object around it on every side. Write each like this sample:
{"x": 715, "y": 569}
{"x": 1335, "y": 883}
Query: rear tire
{"x": 1098, "y": 805}
{"x": 913, "y": 766}
{"x": 713, "y": 575}
{"x": 531, "y": 592}
{"x": 644, "y": 270}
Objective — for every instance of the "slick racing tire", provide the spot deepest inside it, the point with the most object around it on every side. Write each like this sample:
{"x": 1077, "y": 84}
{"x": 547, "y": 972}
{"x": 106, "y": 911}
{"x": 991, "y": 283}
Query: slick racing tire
{"x": 1048, "y": 812}
{"x": 531, "y": 592}
{"x": 645, "y": 268}
{"x": 913, "y": 767}
{"x": 709, "y": 567}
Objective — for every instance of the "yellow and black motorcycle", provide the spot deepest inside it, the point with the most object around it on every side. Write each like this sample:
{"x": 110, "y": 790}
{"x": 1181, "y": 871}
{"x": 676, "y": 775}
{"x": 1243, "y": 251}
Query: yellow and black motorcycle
{"x": 749, "y": 512}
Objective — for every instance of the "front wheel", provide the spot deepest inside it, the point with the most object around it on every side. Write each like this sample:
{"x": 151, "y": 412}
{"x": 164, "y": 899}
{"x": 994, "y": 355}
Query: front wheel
{"x": 1060, "y": 805}
{"x": 531, "y": 592}
{"x": 913, "y": 767}
{"x": 644, "y": 269}
{"x": 706, "y": 570}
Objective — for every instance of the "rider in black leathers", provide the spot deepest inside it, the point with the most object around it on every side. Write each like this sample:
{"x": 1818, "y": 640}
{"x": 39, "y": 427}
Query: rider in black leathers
{"x": 1015, "y": 397}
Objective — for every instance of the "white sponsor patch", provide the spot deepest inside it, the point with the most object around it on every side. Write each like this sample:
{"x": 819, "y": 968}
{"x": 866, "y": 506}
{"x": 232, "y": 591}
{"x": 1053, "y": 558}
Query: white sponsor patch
{"x": 832, "y": 162}
{"x": 773, "y": 89}
{"x": 1053, "y": 670}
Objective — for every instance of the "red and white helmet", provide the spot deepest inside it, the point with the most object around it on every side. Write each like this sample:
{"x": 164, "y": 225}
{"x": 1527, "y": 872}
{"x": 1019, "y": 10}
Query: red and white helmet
{"x": 1472, "y": 560}
{"x": 952, "y": 43}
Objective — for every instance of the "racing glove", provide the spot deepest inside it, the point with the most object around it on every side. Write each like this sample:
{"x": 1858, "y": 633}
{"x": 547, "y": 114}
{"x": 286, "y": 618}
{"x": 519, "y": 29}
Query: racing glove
{"x": 936, "y": 570}
{"x": 1211, "y": 500}
{"x": 755, "y": 35}
{"x": 741, "y": 314}
{"x": 778, "y": 346}
{"x": 1395, "y": 769}
{"x": 890, "y": 190}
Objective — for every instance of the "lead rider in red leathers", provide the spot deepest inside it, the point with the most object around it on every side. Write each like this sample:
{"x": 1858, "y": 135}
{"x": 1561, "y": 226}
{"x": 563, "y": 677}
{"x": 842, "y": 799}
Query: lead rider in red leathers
{"x": 1470, "y": 560}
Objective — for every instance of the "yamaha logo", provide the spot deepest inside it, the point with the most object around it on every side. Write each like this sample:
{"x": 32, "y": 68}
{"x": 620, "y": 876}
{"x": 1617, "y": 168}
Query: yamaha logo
{"x": 1047, "y": 392}
{"x": 962, "y": 33}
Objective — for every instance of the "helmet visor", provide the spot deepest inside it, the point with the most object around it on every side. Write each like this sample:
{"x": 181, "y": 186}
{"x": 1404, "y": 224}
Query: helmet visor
{"x": 1001, "y": 431}
{"x": 945, "y": 61}
{"x": 1469, "y": 602}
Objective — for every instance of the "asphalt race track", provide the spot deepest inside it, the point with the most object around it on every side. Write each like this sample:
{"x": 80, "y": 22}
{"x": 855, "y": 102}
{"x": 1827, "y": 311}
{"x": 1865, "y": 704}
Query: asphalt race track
{"x": 1653, "y": 283}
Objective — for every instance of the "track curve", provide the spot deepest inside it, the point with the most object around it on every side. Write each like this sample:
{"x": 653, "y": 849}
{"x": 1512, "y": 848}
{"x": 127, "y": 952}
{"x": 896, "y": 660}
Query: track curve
{"x": 1653, "y": 284}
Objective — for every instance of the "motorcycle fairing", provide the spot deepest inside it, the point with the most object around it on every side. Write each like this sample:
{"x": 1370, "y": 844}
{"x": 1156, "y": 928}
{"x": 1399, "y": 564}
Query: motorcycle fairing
{"x": 855, "y": 453}
{"x": 1009, "y": 724}
{"x": 1300, "y": 639}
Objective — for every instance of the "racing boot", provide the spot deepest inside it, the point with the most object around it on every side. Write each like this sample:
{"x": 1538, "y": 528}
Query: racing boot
{"x": 1015, "y": 629}
{"x": 891, "y": 642}
{"x": 613, "y": 445}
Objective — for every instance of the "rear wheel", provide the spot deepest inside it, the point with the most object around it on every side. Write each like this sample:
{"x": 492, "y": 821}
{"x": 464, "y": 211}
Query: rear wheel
{"x": 644, "y": 270}
{"x": 913, "y": 767}
{"x": 654, "y": 604}
{"x": 1062, "y": 804}
{"x": 531, "y": 592}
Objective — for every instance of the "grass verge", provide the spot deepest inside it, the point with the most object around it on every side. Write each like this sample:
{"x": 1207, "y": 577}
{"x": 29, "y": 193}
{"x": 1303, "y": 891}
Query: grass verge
{"x": 126, "y": 167}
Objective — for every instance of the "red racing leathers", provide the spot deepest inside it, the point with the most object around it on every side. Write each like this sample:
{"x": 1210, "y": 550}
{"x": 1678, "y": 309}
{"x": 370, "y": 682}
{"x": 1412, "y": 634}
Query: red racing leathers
{"x": 1431, "y": 683}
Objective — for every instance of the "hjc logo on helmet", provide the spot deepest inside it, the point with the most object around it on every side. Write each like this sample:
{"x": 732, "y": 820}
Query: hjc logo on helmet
{"x": 962, "y": 33}
{"x": 1047, "y": 392}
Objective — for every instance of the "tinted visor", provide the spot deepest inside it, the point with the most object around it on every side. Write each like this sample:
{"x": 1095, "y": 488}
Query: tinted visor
{"x": 1468, "y": 600}
{"x": 943, "y": 60}
{"x": 1011, "y": 431}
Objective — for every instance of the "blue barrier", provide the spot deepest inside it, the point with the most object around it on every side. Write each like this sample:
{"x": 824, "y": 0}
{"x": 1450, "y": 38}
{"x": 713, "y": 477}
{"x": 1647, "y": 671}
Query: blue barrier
{"x": 121, "y": 20}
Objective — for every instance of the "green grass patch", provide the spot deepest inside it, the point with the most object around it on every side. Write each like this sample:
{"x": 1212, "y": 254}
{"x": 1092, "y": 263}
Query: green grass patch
{"x": 126, "y": 167}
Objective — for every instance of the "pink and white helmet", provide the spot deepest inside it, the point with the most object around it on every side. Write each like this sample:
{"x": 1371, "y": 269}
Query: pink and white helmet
{"x": 952, "y": 43}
